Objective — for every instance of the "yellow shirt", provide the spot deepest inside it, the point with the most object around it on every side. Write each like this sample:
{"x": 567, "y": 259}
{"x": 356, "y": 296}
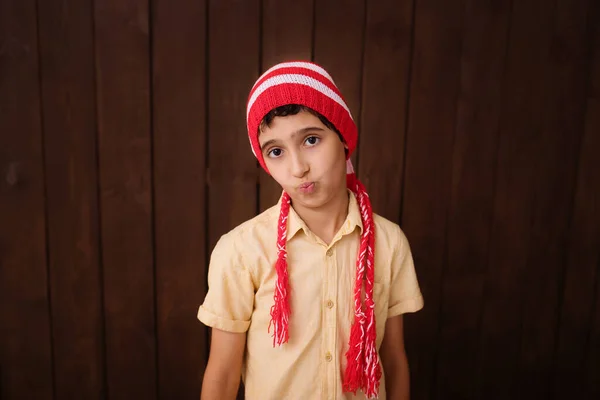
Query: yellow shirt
{"x": 241, "y": 280}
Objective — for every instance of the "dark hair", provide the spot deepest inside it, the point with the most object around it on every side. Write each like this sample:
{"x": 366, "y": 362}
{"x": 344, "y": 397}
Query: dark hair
{"x": 293, "y": 109}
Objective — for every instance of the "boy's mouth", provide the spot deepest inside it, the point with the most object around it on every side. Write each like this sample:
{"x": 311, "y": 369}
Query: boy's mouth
{"x": 307, "y": 187}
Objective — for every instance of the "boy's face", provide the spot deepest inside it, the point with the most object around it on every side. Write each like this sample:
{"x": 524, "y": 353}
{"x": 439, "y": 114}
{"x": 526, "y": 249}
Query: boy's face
{"x": 305, "y": 157}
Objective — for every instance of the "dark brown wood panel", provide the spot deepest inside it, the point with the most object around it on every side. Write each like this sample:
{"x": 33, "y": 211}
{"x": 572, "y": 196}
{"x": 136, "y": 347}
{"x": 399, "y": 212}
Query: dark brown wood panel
{"x": 179, "y": 138}
{"x": 521, "y": 135}
{"x": 592, "y": 388}
{"x": 592, "y": 365}
{"x": 69, "y": 104}
{"x": 483, "y": 58}
{"x": 431, "y": 129}
{"x": 561, "y": 113}
{"x": 388, "y": 38}
{"x": 25, "y": 345}
{"x": 233, "y": 69}
{"x": 287, "y": 32}
{"x": 587, "y": 200}
{"x": 582, "y": 276}
{"x": 338, "y": 47}
{"x": 123, "y": 87}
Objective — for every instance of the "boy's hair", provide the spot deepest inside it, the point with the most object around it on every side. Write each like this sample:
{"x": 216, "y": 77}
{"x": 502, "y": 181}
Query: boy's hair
{"x": 293, "y": 109}
{"x": 287, "y": 89}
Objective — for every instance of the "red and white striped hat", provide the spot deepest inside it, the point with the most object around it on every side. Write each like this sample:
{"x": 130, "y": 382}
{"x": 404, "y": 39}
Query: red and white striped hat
{"x": 309, "y": 85}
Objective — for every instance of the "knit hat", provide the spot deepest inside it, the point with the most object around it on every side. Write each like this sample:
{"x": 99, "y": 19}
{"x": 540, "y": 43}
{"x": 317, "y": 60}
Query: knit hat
{"x": 309, "y": 85}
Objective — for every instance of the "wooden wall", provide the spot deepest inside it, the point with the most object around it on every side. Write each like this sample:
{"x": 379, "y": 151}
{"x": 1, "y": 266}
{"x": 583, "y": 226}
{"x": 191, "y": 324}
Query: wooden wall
{"x": 124, "y": 157}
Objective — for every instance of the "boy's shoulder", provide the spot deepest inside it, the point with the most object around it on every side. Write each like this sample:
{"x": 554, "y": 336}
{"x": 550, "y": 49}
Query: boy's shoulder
{"x": 388, "y": 234}
{"x": 261, "y": 227}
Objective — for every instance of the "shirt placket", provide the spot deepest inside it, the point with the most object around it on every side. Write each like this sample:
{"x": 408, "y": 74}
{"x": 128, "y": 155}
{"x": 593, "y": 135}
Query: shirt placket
{"x": 329, "y": 306}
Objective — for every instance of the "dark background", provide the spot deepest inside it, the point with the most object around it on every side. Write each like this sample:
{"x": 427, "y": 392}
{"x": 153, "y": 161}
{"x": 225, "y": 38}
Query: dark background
{"x": 124, "y": 157}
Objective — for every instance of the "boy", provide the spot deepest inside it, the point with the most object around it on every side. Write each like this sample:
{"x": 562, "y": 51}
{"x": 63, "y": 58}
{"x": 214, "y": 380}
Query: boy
{"x": 325, "y": 276}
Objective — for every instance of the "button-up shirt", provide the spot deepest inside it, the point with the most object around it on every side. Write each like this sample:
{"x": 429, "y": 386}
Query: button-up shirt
{"x": 311, "y": 364}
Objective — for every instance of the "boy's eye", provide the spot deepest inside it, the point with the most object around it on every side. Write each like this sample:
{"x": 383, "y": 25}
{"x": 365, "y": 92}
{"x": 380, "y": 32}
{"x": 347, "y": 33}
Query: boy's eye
{"x": 312, "y": 140}
{"x": 274, "y": 153}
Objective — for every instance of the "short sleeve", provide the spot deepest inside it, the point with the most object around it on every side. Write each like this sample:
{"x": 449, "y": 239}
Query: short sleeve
{"x": 405, "y": 294}
{"x": 229, "y": 302}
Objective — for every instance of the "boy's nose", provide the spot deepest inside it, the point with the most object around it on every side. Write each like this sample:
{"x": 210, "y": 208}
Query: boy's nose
{"x": 299, "y": 166}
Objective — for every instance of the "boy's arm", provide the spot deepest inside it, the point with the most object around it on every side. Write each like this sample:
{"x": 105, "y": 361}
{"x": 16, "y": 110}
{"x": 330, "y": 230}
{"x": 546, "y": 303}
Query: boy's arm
{"x": 394, "y": 360}
{"x": 224, "y": 368}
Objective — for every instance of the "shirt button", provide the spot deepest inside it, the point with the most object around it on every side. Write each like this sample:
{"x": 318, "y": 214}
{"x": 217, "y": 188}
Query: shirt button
{"x": 329, "y": 253}
{"x": 329, "y": 304}
{"x": 328, "y": 357}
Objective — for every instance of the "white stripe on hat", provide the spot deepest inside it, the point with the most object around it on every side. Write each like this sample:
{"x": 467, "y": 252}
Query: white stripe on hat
{"x": 349, "y": 167}
{"x": 299, "y": 64}
{"x": 297, "y": 79}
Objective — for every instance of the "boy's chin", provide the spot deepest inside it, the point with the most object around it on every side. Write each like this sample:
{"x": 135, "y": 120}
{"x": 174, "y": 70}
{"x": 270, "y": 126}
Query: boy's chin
{"x": 314, "y": 200}
{"x": 307, "y": 201}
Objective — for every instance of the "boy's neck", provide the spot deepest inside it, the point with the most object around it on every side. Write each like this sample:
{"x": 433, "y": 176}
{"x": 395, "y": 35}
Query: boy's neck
{"x": 327, "y": 220}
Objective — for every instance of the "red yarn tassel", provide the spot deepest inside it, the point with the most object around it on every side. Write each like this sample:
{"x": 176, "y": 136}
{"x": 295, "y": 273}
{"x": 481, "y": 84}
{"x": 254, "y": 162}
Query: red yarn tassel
{"x": 363, "y": 370}
{"x": 353, "y": 375}
{"x": 280, "y": 311}
{"x": 372, "y": 367}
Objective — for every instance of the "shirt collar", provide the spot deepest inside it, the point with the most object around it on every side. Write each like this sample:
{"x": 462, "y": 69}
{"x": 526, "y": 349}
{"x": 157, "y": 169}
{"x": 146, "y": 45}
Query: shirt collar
{"x": 295, "y": 223}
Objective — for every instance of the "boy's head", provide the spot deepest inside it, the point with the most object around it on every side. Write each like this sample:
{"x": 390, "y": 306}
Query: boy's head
{"x": 302, "y": 133}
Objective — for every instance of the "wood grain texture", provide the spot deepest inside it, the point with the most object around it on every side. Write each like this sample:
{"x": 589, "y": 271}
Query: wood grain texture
{"x": 434, "y": 88}
{"x": 483, "y": 60}
{"x": 123, "y": 85}
{"x": 561, "y": 113}
{"x": 179, "y": 154}
{"x": 521, "y": 136}
{"x": 587, "y": 203}
{"x": 25, "y": 328}
{"x": 578, "y": 348}
{"x": 69, "y": 105}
